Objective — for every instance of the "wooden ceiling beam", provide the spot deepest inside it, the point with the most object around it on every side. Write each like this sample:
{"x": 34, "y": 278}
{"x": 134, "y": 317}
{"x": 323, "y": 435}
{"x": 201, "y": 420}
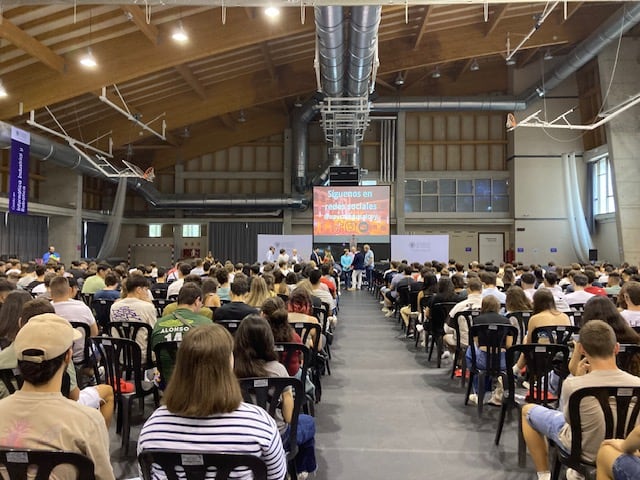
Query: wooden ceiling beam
{"x": 230, "y": 96}
{"x": 187, "y": 75}
{"x": 423, "y": 26}
{"x": 120, "y": 62}
{"x": 228, "y": 121}
{"x": 259, "y": 124}
{"x": 494, "y": 19}
{"x": 467, "y": 42}
{"x": 527, "y": 56}
{"x": 30, "y": 45}
{"x": 137, "y": 16}
{"x": 268, "y": 61}
{"x": 464, "y": 68}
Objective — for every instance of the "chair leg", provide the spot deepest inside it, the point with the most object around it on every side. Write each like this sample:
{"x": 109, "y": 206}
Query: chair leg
{"x": 555, "y": 460}
{"x": 503, "y": 414}
{"x": 439, "y": 352}
{"x": 481, "y": 380}
{"x": 456, "y": 359}
{"x": 466, "y": 397}
{"x": 119, "y": 407}
{"x": 126, "y": 424}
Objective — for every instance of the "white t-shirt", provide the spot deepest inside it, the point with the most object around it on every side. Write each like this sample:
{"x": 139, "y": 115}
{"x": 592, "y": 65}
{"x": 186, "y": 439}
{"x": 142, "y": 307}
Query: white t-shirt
{"x": 631, "y": 316}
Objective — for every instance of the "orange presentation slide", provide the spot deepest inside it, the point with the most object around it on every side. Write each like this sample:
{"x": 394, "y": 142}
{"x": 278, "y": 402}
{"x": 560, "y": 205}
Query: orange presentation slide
{"x": 340, "y": 213}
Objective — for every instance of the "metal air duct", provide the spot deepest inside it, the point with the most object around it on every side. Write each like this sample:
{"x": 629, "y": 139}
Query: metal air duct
{"x": 331, "y": 47}
{"x": 300, "y": 132}
{"x": 362, "y": 45}
{"x": 66, "y": 157}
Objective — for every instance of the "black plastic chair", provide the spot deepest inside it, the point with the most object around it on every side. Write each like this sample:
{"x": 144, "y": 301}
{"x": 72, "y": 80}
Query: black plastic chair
{"x": 284, "y": 297}
{"x": 266, "y": 392}
{"x": 402, "y": 300}
{"x": 618, "y": 424}
{"x": 101, "y": 311}
{"x": 11, "y": 378}
{"x": 465, "y": 316}
{"x": 132, "y": 330}
{"x": 121, "y": 359}
{"x": 522, "y": 319}
{"x": 493, "y": 340}
{"x": 160, "y": 304}
{"x": 541, "y": 359}
{"x": 87, "y": 298}
{"x": 230, "y": 325}
{"x": 17, "y": 463}
{"x": 438, "y": 316}
{"x": 561, "y": 334}
{"x": 319, "y": 362}
{"x": 176, "y": 464}
{"x": 166, "y": 353}
{"x": 86, "y": 361}
{"x": 628, "y": 357}
{"x": 285, "y": 351}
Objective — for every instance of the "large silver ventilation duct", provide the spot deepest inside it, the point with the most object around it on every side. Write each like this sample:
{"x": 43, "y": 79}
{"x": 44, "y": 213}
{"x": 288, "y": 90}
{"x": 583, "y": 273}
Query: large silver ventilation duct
{"x": 362, "y": 43}
{"x": 619, "y": 23}
{"x": 66, "y": 157}
{"x": 331, "y": 48}
{"x": 232, "y": 203}
{"x": 300, "y": 131}
{"x": 439, "y": 104}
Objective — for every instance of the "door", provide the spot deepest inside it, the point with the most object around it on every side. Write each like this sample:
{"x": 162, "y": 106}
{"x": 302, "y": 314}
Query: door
{"x": 491, "y": 247}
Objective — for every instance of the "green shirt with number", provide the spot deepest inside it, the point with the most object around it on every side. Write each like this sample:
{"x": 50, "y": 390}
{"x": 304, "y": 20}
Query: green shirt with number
{"x": 170, "y": 328}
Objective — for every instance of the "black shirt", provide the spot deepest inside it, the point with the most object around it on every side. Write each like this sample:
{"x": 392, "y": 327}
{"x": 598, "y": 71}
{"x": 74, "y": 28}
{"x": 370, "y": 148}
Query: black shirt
{"x": 233, "y": 311}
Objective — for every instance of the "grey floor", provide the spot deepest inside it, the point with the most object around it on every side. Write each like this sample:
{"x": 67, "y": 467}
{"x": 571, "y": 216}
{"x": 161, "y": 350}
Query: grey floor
{"x": 386, "y": 412}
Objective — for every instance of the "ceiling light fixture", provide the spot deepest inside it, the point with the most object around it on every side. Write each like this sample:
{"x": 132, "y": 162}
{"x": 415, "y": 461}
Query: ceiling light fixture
{"x": 272, "y": 11}
{"x": 474, "y": 67}
{"x": 511, "y": 62}
{"x": 88, "y": 60}
{"x": 241, "y": 117}
{"x": 3, "y": 91}
{"x": 399, "y": 81}
{"x": 436, "y": 73}
{"x": 548, "y": 55}
{"x": 180, "y": 34}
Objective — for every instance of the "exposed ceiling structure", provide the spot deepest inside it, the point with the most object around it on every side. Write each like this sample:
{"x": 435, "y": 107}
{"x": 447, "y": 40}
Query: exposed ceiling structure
{"x": 240, "y": 74}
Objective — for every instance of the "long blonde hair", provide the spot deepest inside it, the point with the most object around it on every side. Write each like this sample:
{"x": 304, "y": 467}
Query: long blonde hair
{"x": 258, "y": 293}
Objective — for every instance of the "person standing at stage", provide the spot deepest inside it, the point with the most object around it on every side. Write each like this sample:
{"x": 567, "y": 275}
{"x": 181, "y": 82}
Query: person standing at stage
{"x": 345, "y": 262}
{"x": 271, "y": 254}
{"x": 315, "y": 257}
{"x": 369, "y": 261}
{"x": 295, "y": 258}
{"x": 357, "y": 269}
{"x": 51, "y": 255}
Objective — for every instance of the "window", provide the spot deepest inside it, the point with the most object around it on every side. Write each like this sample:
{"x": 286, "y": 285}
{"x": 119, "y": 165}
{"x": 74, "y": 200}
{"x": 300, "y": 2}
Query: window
{"x": 602, "y": 187}
{"x": 155, "y": 230}
{"x": 190, "y": 231}
{"x": 449, "y": 195}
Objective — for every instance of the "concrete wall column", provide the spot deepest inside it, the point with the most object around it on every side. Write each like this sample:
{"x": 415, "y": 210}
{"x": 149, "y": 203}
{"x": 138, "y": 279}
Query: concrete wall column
{"x": 623, "y": 141}
{"x": 401, "y": 127}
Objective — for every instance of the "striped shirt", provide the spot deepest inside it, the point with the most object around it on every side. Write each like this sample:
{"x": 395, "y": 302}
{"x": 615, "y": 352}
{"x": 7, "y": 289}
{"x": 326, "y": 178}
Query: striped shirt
{"x": 248, "y": 430}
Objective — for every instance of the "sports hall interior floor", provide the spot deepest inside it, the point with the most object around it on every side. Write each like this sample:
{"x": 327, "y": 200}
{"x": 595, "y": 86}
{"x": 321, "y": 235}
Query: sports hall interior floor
{"x": 386, "y": 412}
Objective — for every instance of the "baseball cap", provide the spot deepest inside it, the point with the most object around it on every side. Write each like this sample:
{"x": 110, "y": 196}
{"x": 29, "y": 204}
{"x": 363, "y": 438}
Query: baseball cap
{"x": 49, "y": 333}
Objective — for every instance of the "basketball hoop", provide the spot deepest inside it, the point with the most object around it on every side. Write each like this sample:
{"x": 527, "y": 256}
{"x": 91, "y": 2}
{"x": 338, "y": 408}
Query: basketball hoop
{"x": 149, "y": 174}
{"x": 511, "y": 121}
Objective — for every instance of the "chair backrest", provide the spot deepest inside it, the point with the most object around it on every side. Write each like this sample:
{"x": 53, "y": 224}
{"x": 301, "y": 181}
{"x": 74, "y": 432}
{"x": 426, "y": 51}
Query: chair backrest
{"x": 101, "y": 311}
{"x": 172, "y": 298}
{"x": 166, "y": 353}
{"x": 194, "y": 465}
{"x": 284, "y": 297}
{"x": 494, "y": 339}
{"x": 413, "y": 299}
{"x": 305, "y": 330}
{"x": 159, "y": 293}
{"x": 266, "y": 392}
{"x": 213, "y": 310}
{"x": 541, "y": 359}
{"x": 286, "y": 350}
{"x": 522, "y": 319}
{"x": 628, "y": 357}
{"x": 130, "y": 330}
{"x": 577, "y": 307}
{"x": 230, "y": 325}
{"x": 554, "y": 333}
{"x": 86, "y": 335}
{"x": 618, "y": 422}
{"x": 87, "y": 298}
{"x": 18, "y": 463}
{"x": 160, "y": 304}
{"x": 439, "y": 314}
{"x": 403, "y": 295}
{"x": 466, "y": 316}
{"x": 11, "y": 378}
{"x": 122, "y": 361}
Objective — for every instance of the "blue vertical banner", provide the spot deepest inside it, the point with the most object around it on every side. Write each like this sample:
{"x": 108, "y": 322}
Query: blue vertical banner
{"x": 19, "y": 171}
